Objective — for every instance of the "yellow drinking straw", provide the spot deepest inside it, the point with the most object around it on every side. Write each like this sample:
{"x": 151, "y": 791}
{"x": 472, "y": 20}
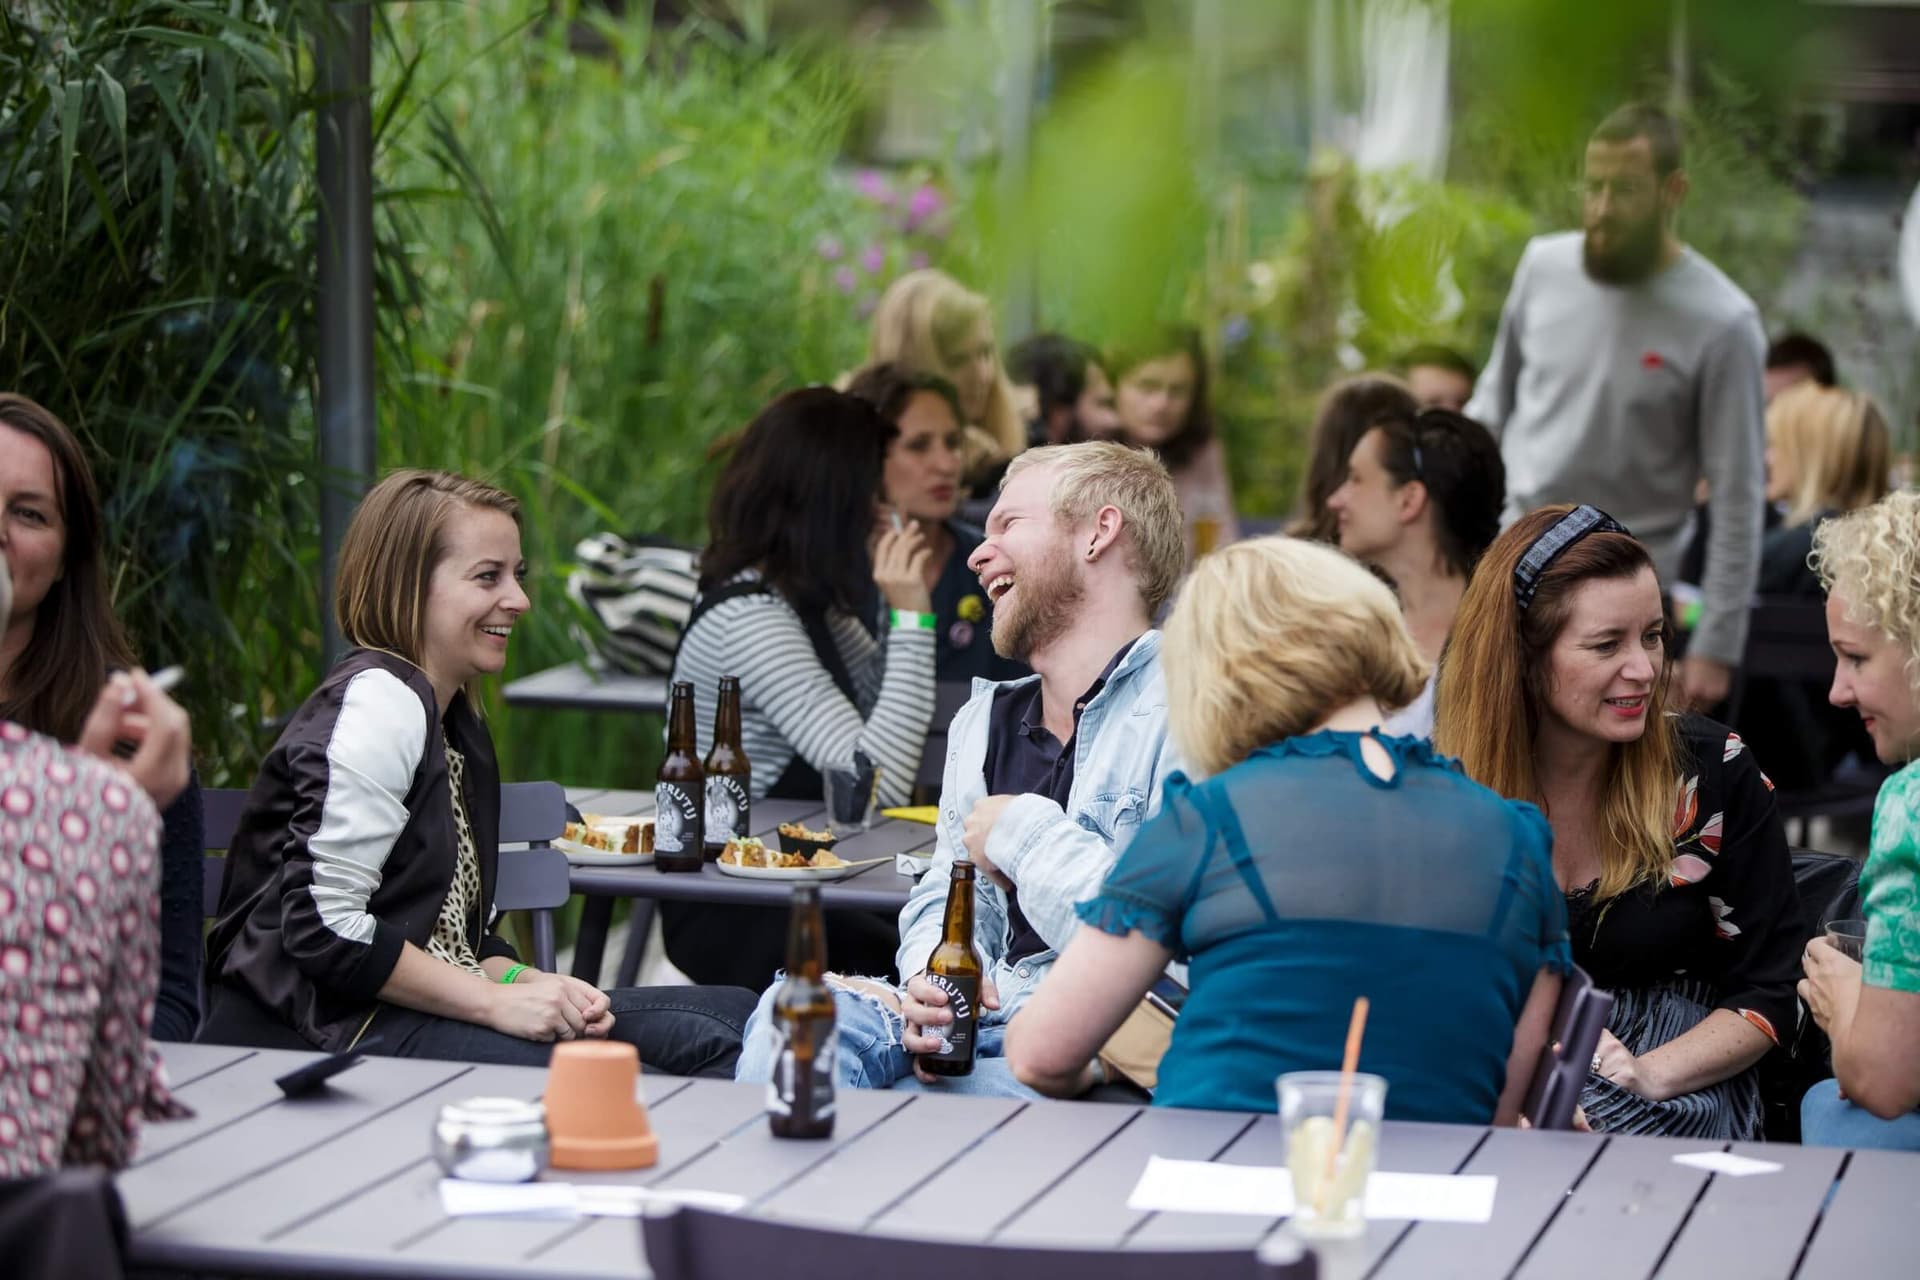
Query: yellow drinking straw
{"x": 1355, "y": 1029}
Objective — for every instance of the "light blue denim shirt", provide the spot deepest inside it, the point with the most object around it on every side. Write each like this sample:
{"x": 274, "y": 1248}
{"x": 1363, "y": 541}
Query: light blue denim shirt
{"x": 1122, "y": 757}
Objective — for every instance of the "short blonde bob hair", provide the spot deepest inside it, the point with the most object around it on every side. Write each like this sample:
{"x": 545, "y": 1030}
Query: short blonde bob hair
{"x": 1106, "y": 473}
{"x": 1870, "y": 558}
{"x": 1835, "y": 446}
{"x": 1270, "y": 637}
{"x": 397, "y": 536}
{"x": 927, "y": 314}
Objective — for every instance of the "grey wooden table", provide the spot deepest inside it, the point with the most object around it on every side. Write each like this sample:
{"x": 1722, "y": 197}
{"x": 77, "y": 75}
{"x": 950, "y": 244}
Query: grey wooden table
{"x": 875, "y": 888}
{"x": 341, "y": 1184}
{"x": 574, "y": 687}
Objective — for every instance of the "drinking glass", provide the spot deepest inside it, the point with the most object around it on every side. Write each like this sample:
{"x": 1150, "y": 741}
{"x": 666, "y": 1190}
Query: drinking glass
{"x": 1849, "y": 937}
{"x": 1329, "y": 1168}
{"x": 849, "y": 797}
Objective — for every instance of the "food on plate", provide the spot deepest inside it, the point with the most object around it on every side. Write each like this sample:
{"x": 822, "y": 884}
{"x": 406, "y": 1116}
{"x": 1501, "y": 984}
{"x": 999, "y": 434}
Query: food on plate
{"x": 612, "y": 835}
{"x": 749, "y": 851}
{"x": 591, "y": 837}
{"x": 827, "y": 858}
{"x": 798, "y": 839}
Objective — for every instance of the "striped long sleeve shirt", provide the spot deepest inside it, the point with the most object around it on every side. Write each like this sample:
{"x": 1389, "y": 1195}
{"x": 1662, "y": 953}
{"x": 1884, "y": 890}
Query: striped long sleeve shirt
{"x": 789, "y": 703}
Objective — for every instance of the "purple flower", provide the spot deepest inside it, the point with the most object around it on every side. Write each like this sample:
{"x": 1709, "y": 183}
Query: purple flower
{"x": 919, "y": 262}
{"x": 872, "y": 184}
{"x": 874, "y": 259}
{"x": 1235, "y": 330}
{"x": 923, "y": 204}
{"x": 845, "y": 280}
{"x": 829, "y": 247}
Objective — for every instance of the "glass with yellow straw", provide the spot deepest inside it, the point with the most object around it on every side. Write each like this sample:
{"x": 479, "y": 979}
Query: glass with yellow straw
{"x": 1330, "y": 1121}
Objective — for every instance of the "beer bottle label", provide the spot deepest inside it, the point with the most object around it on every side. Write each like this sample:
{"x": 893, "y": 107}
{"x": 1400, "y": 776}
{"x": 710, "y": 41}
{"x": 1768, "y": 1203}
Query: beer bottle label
{"x": 728, "y": 809}
{"x": 676, "y": 818}
{"x": 956, "y": 1037}
{"x": 802, "y": 1081}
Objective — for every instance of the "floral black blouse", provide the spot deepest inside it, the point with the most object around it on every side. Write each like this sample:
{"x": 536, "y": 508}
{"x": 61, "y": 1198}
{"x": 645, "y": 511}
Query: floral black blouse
{"x": 1729, "y": 915}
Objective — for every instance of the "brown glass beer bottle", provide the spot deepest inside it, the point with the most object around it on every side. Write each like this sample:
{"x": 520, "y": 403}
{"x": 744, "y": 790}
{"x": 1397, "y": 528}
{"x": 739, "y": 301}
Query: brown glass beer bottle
{"x": 800, "y": 1094}
{"x": 729, "y": 776}
{"x": 954, "y": 968}
{"x": 678, "y": 795}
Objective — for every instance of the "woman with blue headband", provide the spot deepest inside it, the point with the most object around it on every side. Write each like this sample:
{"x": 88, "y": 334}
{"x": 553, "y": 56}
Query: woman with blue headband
{"x": 1680, "y": 891}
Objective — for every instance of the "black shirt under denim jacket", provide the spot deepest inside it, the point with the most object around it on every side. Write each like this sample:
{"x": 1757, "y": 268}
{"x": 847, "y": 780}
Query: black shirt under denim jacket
{"x": 273, "y": 941}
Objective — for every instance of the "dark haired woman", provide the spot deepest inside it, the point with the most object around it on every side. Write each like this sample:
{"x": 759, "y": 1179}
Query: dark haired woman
{"x": 62, "y": 640}
{"x": 782, "y": 586}
{"x": 1680, "y": 891}
{"x": 1347, "y": 410}
{"x": 1161, "y": 395}
{"x": 356, "y": 910}
{"x": 920, "y": 481}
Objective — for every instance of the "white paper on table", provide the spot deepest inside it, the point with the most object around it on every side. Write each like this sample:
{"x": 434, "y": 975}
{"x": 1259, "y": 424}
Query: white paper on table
{"x": 568, "y": 1199}
{"x": 1200, "y": 1186}
{"x": 1726, "y": 1162}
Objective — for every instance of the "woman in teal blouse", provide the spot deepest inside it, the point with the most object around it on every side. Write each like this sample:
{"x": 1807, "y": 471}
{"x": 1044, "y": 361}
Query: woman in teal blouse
{"x": 1307, "y": 860}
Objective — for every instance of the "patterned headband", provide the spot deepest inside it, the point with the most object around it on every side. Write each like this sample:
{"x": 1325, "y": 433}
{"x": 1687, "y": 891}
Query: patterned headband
{"x": 1547, "y": 548}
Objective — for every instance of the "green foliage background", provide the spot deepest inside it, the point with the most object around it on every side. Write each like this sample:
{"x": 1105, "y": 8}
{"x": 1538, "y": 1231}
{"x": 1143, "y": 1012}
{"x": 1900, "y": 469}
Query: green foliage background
{"x": 602, "y": 247}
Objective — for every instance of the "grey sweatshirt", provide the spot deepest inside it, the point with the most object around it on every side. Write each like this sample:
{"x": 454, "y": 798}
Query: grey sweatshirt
{"x": 1624, "y": 397}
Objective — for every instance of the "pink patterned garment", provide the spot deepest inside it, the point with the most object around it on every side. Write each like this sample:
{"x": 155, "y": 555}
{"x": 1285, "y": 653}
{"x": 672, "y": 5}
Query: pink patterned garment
{"x": 79, "y": 959}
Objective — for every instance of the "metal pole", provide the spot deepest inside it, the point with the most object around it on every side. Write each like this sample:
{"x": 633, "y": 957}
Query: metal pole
{"x": 343, "y": 52}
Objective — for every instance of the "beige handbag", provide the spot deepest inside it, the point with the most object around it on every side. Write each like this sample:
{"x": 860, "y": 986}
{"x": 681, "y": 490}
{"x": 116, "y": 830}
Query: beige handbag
{"x": 1133, "y": 1052}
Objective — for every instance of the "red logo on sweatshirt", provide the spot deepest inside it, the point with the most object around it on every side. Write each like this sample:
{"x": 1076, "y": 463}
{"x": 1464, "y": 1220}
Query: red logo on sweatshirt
{"x": 1651, "y": 360}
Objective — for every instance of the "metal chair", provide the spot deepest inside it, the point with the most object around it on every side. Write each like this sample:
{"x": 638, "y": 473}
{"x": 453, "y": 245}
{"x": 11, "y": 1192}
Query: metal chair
{"x": 65, "y": 1224}
{"x": 698, "y": 1244}
{"x": 1561, "y": 1071}
{"x": 534, "y": 879}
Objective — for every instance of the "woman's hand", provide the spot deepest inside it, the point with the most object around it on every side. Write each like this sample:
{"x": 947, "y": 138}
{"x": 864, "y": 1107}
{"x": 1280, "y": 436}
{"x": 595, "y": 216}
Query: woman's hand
{"x": 1831, "y": 988}
{"x": 900, "y": 568}
{"x": 131, "y": 708}
{"x": 1617, "y": 1063}
{"x": 543, "y": 1007}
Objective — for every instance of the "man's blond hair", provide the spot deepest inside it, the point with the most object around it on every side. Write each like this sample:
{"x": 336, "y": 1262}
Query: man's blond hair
{"x": 1102, "y": 473}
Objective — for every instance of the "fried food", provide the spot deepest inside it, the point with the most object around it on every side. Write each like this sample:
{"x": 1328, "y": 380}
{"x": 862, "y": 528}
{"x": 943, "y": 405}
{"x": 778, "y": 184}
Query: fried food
{"x": 796, "y": 831}
{"x": 748, "y": 852}
{"x": 827, "y": 858}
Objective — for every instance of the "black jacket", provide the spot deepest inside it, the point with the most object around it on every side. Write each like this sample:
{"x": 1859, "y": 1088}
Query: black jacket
{"x": 346, "y": 849}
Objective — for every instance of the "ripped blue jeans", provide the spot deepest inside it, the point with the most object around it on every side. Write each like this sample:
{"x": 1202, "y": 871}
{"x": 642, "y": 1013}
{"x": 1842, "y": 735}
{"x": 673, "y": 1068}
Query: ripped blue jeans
{"x": 871, "y": 1055}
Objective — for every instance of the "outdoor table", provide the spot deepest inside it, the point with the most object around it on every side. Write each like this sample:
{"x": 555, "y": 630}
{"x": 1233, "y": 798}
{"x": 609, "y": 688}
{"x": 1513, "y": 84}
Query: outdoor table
{"x": 875, "y": 888}
{"x": 341, "y": 1182}
{"x": 589, "y": 687}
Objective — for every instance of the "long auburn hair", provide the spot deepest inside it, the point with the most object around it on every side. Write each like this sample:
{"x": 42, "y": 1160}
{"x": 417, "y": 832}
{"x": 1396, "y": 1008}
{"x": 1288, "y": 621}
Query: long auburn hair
{"x": 77, "y": 639}
{"x": 1495, "y": 679}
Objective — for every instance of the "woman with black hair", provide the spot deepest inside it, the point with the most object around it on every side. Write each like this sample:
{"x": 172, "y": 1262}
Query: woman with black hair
{"x": 782, "y": 584}
{"x": 61, "y": 643}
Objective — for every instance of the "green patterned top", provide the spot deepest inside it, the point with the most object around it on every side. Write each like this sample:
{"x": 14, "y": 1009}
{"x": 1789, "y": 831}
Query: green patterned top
{"x": 1890, "y": 885}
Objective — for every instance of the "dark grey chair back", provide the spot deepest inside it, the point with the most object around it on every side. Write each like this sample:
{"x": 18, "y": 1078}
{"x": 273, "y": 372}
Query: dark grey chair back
{"x": 1564, "y": 1062}
{"x": 65, "y": 1224}
{"x": 534, "y": 879}
{"x": 697, "y": 1244}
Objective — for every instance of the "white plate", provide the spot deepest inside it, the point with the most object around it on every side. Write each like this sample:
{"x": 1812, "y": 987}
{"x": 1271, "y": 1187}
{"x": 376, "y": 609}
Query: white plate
{"x": 581, "y": 855}
{"x": 796, "y": 873}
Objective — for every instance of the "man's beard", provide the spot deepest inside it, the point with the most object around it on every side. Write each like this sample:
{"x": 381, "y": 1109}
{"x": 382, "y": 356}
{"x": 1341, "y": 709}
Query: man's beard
{"x": 1047, "y": 596}
{"x": 1634, "y": 256}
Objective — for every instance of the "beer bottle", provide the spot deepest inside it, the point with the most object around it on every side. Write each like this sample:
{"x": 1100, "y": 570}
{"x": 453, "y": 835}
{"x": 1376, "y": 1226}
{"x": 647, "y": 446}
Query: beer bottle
{"x": 677, "y": 795}
{"x": 800, "y": 1094}
{"x": 729, "y": 776}
{"x": 954, "y": 967}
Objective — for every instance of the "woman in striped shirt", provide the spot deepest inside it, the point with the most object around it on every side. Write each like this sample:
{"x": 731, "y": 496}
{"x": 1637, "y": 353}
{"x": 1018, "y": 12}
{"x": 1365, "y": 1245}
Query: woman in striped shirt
{"x": 793, "y": 555}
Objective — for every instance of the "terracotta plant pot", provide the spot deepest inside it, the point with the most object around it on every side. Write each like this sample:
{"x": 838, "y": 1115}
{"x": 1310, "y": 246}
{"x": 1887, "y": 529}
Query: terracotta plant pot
{"x": 595, "y": 1119}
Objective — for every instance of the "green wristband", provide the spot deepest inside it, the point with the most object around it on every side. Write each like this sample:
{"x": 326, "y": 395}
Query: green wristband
{"x": 908, "y": 620}
{"x": 506, "y": 979}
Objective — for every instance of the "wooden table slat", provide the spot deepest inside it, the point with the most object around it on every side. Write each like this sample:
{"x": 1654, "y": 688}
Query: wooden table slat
{"x": 218, "y": 1098}
{"x": 1867, "y": 1232}
{"x": 1535, "y": 1169}
{"x": 186, "y": 1062}
{"x": 232, "y": 1153}
{"x": 1753, "y": 1227}
{"x": 1623, "y": 1215}
{"x": 1260, "y": 1144}
{"x": 1089, "y": 1206}
{"x": 1009, "y": 1167}
{"x": 1405, "y": 1147}
{"x": 861, "y": 1180}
